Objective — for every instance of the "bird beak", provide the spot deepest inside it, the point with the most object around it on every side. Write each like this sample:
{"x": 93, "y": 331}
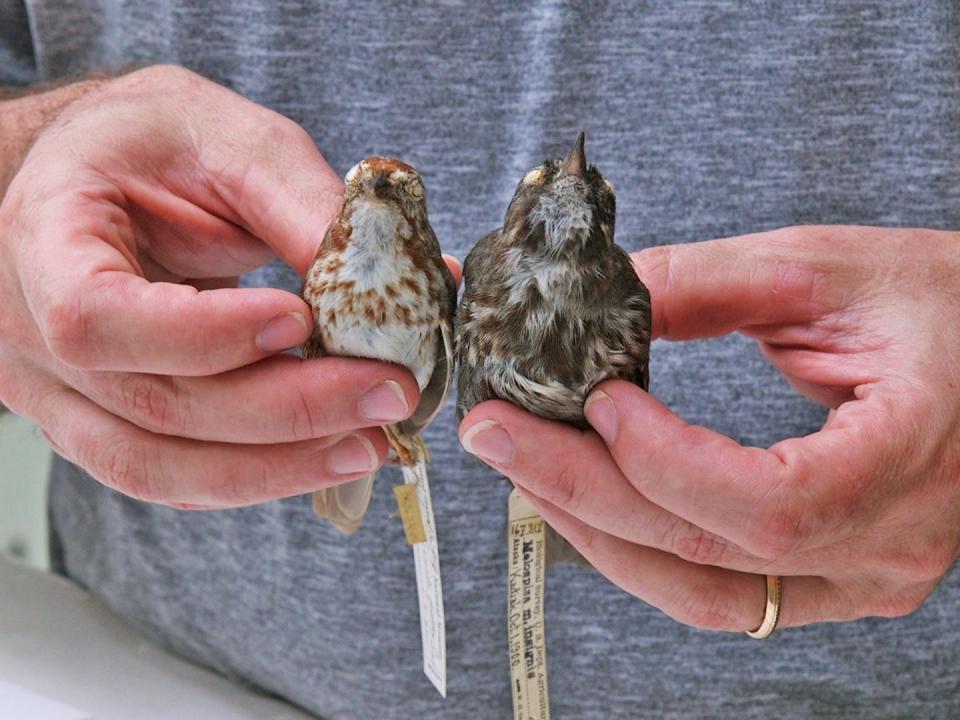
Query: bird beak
{"x": 376, "y": 184}
{"x": 576, "y": 162}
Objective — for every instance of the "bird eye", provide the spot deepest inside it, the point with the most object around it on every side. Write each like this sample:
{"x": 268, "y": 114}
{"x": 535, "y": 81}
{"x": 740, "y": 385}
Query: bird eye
{"x": 534, "y": 177}
{"x": 415, "y": 188}
{"x": 352, "y": 174}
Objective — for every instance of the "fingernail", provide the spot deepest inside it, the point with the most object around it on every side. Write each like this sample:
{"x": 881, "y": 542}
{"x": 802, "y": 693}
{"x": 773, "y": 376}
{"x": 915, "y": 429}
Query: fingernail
{"x": 384, "y": 403}
{"x": 283, "y": 332}
{"x": 602, "y": 415}
{"x": 489, "y": 441}
{"x": 354, "y": 454}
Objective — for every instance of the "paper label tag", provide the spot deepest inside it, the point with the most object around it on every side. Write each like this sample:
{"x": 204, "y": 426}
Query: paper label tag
{"x": 526, "y": 562}
{"x": 426, "y": 556}
{"x": 409, "y": 506}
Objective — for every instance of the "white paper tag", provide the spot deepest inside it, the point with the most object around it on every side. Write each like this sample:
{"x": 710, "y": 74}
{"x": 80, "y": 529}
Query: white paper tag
{"x": 526, "y": 567}
{"x": 426, "y": 555}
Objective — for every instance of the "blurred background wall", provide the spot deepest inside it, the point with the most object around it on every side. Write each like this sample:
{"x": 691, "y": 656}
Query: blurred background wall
{"x": 24, "y": 461}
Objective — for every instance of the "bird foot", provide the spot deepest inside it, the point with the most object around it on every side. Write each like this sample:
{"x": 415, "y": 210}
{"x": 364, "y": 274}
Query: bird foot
{"x": 408, "y": 450}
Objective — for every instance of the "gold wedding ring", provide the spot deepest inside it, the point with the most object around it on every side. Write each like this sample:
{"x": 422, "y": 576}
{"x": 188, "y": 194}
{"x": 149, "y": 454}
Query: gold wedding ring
{"x": 772, "y": 612}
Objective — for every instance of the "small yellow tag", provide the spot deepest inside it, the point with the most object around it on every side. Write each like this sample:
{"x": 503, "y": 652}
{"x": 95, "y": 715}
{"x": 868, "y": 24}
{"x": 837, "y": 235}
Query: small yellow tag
{"x": 410, "y": 513}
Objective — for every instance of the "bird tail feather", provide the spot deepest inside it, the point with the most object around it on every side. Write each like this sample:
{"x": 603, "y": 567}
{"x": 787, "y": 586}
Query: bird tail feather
{"x": 344, "y": 505}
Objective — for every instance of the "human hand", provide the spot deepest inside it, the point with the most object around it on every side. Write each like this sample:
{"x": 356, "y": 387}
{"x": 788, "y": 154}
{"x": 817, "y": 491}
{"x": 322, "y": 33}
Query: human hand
{"x": 861, "y": 518}
{"x": 120, "y": 237}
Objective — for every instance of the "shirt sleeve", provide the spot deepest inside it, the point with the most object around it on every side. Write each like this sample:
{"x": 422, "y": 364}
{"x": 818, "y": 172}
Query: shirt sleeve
{"x": 17, "y": 62}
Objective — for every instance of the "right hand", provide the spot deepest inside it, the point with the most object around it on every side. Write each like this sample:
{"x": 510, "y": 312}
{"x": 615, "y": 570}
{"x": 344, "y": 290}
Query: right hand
{"x": 121, "y": 332}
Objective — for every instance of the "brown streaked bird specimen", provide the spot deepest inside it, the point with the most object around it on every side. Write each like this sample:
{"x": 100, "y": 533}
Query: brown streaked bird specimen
{"x": 379, "y": 289}
{"x": 551, "y": 305}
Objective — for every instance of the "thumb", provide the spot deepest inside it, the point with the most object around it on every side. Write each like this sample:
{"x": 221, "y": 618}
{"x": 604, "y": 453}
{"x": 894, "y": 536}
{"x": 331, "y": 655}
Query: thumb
{"x": 283, "y": 191}
{"x": 717, "y": 287}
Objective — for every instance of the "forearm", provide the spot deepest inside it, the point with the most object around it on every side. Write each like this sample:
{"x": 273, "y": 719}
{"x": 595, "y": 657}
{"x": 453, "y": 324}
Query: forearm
{"x": 24, "y": 113}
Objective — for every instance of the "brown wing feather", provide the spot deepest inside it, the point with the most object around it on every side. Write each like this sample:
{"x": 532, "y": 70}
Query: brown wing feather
{"x": 313, "y": 347}
{"x": 634, "y": 294}
{"x": 434, "y": 395}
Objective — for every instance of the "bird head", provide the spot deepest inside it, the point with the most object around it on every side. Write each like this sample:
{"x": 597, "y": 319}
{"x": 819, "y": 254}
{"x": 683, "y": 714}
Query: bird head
{"x": 386, "y": 180}
{"x": 562, "y": 205}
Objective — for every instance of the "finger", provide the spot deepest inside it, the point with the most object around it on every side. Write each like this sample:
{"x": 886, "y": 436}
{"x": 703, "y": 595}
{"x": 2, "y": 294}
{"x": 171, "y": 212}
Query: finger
{"x": 455, "y": 268}
{"x": 831, "y": 395}
{"x": 115, "y": 320}
{"x": 280, "y": 399}
{"x": 235, "y": 159}
{"x": 171, "y": 470}
{"x": 699, "y": 595}
{"x": 574, "y": 471}
{"x": 84, "y": 288}
{"x": 826, "y": 375}
{"x": 185, "y": 240}
{"x": 800, "y": 494}
{"x": 276, "y": 184}
{"x": 713, "y": 288}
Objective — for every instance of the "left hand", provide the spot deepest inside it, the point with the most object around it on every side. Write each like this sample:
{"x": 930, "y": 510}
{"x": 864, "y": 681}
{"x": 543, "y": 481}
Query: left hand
{"x": 861, "y": 518}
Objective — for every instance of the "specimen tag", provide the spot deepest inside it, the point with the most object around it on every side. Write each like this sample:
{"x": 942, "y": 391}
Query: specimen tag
{"x": 526, "y": 562}
{"x": 426, "y": 555}
{"x": 409, "y": 507}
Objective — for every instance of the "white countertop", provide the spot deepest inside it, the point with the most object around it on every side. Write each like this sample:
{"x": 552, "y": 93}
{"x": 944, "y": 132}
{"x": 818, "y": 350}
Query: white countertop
{"x": 58, "y": 642}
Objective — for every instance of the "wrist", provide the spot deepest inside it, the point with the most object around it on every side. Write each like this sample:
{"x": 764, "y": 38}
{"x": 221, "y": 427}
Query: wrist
{"x": 23, "y": 118}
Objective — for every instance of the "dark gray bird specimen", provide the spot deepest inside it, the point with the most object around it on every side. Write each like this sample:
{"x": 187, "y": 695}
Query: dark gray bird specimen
{"x": 551, "y": 305}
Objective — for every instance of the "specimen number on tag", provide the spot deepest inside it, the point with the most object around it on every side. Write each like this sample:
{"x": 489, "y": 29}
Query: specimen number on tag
{"x": 526, "y": 564}
{"x": 426, "y": 556}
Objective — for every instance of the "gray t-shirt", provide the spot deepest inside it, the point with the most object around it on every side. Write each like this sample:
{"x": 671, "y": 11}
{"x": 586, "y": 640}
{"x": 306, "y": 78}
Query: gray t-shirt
{"x": 712, "y": 119}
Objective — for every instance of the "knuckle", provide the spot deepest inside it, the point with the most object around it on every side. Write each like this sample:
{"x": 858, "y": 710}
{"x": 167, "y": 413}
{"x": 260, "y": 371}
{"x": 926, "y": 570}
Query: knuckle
{"x": 148, "y": 402}
{"x": 653, "y": 261}
{"x": 796, "y": 239}
{"x": 125, "y": 467}
{"x": 207, "y": 350}
{"x": 696, "y": 545}
{"x": 279, "y": 131}
{"x": 262, "y": 479}
{"x": 791, "y": 235}
{"x": 168, "y": 76}
{"x": 564, "y": 482}
{"x": 929, "y": 564}
{"x": 208, "y": 359}
{"x": 901, "y": 603}
{"x": 788, "y": 516}
{"x": 273, "y": 136}
{"x": 65, "y": 326}
{"x": 233, "y": 490}
{"x": 709, "y": 606}
{"x": 308, "y": 419}
{"x": 262, "y": 151}
{"x": 937, "y": 562}
{"x": 775, "y": 534}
